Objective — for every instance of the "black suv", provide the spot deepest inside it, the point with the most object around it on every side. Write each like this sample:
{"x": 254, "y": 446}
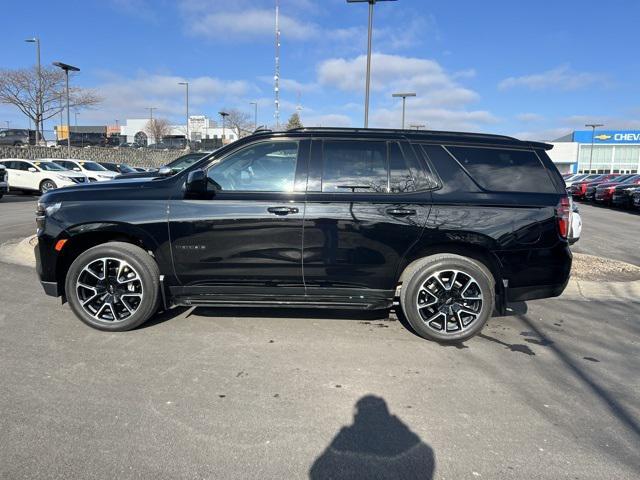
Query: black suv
{"x": 450, "y": 225}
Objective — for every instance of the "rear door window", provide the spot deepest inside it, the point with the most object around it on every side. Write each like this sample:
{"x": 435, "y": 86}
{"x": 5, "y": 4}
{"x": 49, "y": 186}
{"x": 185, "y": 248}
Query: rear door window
{"x": 504, "y": 170}
{"x": 355, "y": 166}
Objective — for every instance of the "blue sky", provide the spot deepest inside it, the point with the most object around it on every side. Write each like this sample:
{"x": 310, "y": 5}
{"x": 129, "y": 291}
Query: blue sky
{"x": 533, "y": 69}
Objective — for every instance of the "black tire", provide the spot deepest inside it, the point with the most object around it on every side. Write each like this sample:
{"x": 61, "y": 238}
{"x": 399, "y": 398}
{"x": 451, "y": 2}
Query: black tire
{"x": 47, "y": 185}
{"x": 141, "y": 262}
{"x": 412, "y": 293}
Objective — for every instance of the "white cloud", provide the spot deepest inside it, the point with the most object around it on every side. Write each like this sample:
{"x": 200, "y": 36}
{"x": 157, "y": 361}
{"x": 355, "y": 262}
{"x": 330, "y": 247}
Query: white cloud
{"x": 126, "y": 97}
{"x": 441, "y": 102}
{"x": 529, "y": 117}
{"x": 562, "y": 78}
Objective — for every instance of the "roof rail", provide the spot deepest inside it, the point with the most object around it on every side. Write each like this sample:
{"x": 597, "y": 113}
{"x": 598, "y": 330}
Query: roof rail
{"x": 262, "y": 129}
{"x": 399, "y": 132}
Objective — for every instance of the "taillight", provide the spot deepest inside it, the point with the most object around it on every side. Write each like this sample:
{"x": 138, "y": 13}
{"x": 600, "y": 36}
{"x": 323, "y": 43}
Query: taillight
{"x": 563, "y": 215}
{"x": 583, "y": 188}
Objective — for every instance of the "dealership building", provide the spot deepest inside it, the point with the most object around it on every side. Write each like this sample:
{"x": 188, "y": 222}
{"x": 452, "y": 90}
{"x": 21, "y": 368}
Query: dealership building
{"x": 614, "y": 151}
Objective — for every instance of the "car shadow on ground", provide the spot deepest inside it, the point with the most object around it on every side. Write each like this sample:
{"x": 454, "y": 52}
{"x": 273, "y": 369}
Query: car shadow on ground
{"x": 376, "y": 445}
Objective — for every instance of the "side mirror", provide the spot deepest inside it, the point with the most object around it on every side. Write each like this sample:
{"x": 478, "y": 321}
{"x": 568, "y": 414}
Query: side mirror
{"x": 165, "y": 171}
{"x": 196, "y": 186}
{"x": 33, "y": 169}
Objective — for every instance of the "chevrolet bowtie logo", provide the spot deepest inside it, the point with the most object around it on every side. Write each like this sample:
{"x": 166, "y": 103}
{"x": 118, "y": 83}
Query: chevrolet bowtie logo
{"x": 602, "y": 136}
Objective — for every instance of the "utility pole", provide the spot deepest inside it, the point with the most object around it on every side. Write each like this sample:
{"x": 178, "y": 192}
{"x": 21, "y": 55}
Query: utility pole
{"x": 186, "y": 84}
{"x": 277, "y": 74}
{"x": 369, "y": 41}
{"x": 404, "y": 101}
{"x": 39, "y": 106}
{"x": 67, "y": 69}
{"x": 151, "y": 109}
{"x": 255, "y": 115}
{"x": 593, "y": 134}
{"x": 224, "y": 115}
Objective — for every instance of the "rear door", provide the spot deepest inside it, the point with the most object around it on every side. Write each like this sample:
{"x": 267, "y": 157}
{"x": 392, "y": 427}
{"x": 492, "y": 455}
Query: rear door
{"x": 17, "y": 171}
{"x": 367, "y": 203}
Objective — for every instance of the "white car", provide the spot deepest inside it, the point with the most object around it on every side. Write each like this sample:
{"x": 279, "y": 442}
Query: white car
{"x": 575, "y": 224}
{"x": 39, "y": 176}
{"x": 4, "y": 186}
{"x": 94, "y": 171}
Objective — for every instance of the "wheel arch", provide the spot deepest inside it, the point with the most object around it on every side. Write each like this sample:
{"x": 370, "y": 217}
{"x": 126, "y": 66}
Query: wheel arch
{"x": 83, "y": 237}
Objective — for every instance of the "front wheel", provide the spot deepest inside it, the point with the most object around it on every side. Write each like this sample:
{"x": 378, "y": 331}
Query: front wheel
{"x": 113, "y": 286}
{"x": 447, "y": 297}
{"x": 47, "y": 185}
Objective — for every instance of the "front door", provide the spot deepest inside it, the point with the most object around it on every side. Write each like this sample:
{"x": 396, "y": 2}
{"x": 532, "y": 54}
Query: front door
{"x": 367, "y": 204}
{"x": 247, "y": 238}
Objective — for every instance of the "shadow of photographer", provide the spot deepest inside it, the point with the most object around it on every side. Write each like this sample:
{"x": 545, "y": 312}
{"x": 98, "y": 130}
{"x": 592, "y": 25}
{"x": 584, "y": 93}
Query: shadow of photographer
{"x": 377, "y": 445}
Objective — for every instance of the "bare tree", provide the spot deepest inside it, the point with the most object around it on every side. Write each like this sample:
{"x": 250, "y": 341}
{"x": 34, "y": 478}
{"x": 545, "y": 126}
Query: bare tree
{"x": 294, "y": 122}
{"x": 158, "y": 128}
{"x": 239, "y": 121}
{"x": 20, "y": 89}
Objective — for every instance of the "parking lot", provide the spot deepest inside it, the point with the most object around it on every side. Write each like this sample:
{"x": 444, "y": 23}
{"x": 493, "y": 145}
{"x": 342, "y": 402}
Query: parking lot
{"x": 549, "y": 392}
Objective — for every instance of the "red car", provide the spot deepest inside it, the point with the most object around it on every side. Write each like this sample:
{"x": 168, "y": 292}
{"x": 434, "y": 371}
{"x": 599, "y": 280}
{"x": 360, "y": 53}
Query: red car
{"x": 590, "y": 193}
{"x": 579, "y": 189}
{"x": 604, "y": 191}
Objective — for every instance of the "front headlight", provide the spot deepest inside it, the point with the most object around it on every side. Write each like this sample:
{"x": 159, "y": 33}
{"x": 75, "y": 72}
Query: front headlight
{"x": 44, "y": 210}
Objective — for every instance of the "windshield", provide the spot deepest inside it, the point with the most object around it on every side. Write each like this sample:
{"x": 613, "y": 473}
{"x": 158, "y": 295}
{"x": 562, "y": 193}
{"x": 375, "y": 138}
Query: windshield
{"x": 126, "y": 169}
{"x": 92, "y": 167}
{"x": 185, "y": 161}
{"x": 631, "y": 179}
{"x": 49, "y": 166}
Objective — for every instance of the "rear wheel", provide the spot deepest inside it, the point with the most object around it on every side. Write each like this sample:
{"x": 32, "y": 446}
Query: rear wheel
{"x": 113, "y": 286}
{"x": 47, "y": 185}
{"x": 447, "y": 297}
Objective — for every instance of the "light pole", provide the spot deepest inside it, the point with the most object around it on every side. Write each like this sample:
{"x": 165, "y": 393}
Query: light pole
{"x": 67, "y": 69}
{"x": 39, "y": 122}
{"x": 593, "y": 134}
{"x": 404, "y": 102}
{"x": 76, "y": 113}
{"x": 255, "y": 115}
{"x": 224, "y": 115}
{"x": 8, "y": 122}
{"x": 370, "y": 33}
{"x": 186, "y": 84}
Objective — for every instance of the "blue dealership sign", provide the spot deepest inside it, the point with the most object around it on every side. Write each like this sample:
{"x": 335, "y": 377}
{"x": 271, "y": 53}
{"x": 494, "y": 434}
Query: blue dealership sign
{"x": 607, "y": 136}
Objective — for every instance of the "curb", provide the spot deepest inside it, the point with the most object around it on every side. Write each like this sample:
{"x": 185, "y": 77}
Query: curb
{"x": 588, "y": 290}
{"x": 21, "y": 253}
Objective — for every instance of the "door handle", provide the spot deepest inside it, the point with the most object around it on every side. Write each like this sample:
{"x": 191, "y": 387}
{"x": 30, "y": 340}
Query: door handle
{"x": 282, "y": 210}
{"x": 401, "y": 212}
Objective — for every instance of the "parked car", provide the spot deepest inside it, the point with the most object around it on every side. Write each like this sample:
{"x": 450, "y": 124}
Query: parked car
{"x": 85, "y": 139}
{"x": 578, "y": 190}
{"x": 604, "y": 191}
{"x": 635, "y": 198}
{"x": 571, "y": 180}
{"x": 622, "y": 194}
{"x": 17, "y": 137}
{"x": 39, "y": 176}
{"x": 4, "y": 185}
{"x": 117, "y": 167}
{"x": 170, "y": 168}
{"x": 318, "y": 217}
{"x": 575, "y": 227}
{"x": 93, "y": 170}
{"x": 590, "y": 193}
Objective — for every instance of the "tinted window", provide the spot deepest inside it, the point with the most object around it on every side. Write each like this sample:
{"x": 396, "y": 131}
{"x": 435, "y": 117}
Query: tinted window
{"x": 92, "y": 167}
{"x": 262, "y": 167}
{"x": 110, "y": 166}
{"x": 502, "y": 170}
{"x": 453, "y": 177}
{"x": 355, "y": 166}
{"x": 406, "y": 173}
{"x": 64, "y": 164}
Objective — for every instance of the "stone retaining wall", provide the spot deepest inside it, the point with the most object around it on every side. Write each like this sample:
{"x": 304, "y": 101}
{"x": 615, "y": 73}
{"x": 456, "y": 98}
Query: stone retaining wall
{"x": 131, "y": 156}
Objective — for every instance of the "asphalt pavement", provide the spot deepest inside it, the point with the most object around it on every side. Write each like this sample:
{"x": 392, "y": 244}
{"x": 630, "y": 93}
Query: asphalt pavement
{"x": 610, "y": 233}
{"x": 17, "y": 217}
{"x": 549, "y": 392}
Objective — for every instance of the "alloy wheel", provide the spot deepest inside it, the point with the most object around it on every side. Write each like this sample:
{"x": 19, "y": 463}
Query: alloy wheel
{"x": 450, "y": 301}
{"x": 109, "y": 289}
{"x": 47, "y": 185}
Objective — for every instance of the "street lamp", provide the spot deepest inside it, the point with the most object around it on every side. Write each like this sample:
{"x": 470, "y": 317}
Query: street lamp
{"x": 67, "y": 69}
{"x": 186, "y": 84}
{"x": 39, "y": 106}
{"x": 224, "y": 115}
{"x": 593, "y": 134}
{"x": 404, "y": 101}
{"x": 255, "y": 116}
{"x": 370, "y": 32}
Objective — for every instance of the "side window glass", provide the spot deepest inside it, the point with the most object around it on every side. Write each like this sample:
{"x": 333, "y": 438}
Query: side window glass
{"x": 355, "y": 166}
{"x": 401, "y": 178}
{"x": 262, "y": 167}
{"x": 502, "y": 170}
